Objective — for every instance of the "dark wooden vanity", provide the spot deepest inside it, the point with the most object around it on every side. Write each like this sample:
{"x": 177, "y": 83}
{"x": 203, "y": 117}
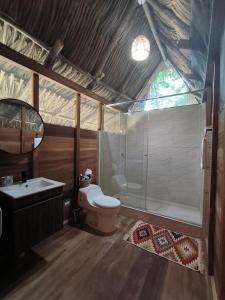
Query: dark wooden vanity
{"x": 30, "y": 219}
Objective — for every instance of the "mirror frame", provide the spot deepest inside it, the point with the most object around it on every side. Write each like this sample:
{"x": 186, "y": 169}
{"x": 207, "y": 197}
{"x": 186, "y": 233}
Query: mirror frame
{"x": 29, "y": 106}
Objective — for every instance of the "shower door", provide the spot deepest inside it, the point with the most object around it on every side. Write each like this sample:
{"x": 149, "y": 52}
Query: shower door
{"x": 136, "y": 160}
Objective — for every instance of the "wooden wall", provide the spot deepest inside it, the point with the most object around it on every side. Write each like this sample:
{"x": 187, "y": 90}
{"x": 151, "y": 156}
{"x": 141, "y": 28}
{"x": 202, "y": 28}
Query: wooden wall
{"x": 14, "y": 164}
{"x": 89, "y": 152}
{"x": 55, "y": 157}
{"x": 219, "y": 234}
{"x": 10, "y": 139}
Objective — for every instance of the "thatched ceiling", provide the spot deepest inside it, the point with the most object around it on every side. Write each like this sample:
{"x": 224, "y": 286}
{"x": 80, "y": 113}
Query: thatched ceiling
{"x": 97, "y": 37}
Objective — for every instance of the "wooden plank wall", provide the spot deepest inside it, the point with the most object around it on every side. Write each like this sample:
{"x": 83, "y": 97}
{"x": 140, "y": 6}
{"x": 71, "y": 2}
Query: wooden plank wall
{"x": 89, "y": 152}
{"x": 54, "y": 158}
{"x": 219, "y": 233}
{"x": 10, "y": 139}
{"x": 14, "y": 164}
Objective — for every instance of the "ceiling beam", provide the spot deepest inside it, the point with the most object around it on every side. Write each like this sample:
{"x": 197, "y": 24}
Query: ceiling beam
{"x": 153, "y": 29}
{"x": 98, "y": 83}
{"x": 19, "y": 58}
{"x": 162, "y": 49}
{"x": 169, "y": 17}
{"x": 54, "y": 52}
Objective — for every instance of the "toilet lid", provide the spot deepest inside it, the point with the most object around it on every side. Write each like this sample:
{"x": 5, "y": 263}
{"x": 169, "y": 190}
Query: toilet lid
{"x": 106, "y": 201}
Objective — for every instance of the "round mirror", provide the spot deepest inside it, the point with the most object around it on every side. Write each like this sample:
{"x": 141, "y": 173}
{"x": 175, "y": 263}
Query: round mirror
{"x": 21, "y": 127}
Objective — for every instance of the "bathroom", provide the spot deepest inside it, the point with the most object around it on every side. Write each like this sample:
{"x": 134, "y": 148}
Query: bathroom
{"x": 112, "y": 155}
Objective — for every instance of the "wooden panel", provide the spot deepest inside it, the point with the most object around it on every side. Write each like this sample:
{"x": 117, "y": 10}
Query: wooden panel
{"x": 10, "y": 139}
{"x": 54, "y": 158}
{"x": 36, "y": 222}
{"x": 11, "y": 164}
{"x": 89, "y": 152}
{"x": 59, "y": 131}
{"x": 219, "y": 233}
{"x": 207, "y": 182}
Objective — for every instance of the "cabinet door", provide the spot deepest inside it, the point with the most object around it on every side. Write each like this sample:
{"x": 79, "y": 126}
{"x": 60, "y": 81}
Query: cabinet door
{"x": 34, "y": 223}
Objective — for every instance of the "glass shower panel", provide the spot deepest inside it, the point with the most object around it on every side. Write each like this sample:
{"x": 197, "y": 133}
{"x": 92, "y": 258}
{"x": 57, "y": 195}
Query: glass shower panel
{"x": 136, "y": 161}
{"x": 174, "y": 174}
{"x": 112, "y": 163}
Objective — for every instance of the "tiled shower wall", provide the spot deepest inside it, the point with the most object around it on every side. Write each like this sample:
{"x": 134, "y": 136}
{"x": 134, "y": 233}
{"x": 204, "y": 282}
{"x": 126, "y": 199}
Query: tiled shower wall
{"x": 167, "y": 146}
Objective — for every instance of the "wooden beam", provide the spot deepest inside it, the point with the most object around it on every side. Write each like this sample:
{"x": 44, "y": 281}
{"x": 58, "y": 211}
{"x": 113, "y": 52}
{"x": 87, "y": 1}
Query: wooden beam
{"x": 35, "y": 91}
{"x": 212, "y": 218}
{"x": 162, "y": 49}
{"x": 54, "y": 52}
{"x": 170, "y": 18}
{"x": 38, "y": 68}
{"x": 22, "y": 129}
{"x": 100, "y": 117}
{"x": 177, "y": 52}
{"x": 77, "y": 149}
{"x": 99, "y": 83}
{"x": 159, "y": 37}
{"x": 151, "y": 22}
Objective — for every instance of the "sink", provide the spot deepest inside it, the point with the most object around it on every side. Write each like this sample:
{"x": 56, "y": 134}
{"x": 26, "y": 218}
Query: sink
{"x": 30, "y": 187}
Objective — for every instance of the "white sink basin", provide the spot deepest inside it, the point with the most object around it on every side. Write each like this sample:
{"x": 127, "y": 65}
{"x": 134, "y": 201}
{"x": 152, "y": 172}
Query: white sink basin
{"x": 30, "y": 187}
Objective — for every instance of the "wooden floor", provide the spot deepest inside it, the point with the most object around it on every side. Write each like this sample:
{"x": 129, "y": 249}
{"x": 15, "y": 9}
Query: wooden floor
{"x": 78, "y": 265}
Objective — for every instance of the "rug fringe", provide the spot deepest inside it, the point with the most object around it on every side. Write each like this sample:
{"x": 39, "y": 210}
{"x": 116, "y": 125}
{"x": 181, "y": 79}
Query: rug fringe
{"x": 127, "y": 235}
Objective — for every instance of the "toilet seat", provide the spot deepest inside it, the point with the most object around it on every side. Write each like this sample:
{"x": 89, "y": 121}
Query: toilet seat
{"x": 106, "y": 201}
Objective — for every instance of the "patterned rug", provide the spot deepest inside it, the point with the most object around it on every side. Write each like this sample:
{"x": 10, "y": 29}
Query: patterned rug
{"x": 171, "y": 245}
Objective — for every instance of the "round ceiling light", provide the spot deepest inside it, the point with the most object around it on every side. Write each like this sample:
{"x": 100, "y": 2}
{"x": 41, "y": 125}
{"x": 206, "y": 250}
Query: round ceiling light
{"x": 140, "y": 48}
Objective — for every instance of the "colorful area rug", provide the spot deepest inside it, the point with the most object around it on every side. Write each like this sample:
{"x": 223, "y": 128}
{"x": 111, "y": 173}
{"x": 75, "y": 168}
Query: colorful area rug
{"x": 171, "y": 245}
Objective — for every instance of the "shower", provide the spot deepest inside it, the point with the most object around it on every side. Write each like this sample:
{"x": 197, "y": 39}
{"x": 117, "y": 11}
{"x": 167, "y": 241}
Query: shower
{"x": 155, "y": 164}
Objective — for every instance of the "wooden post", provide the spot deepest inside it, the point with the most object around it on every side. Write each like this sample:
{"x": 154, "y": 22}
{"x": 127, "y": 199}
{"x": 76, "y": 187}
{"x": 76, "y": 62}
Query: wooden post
{"x": 100, "y": 116}
{"x": 35, "y": 91}
{"x": 77, "y": 146}
{"x": 74, "y": 199}
{"x": 22, "y": 129}
{"x": 35, "y": 96}
{"x": 215, "y": 109}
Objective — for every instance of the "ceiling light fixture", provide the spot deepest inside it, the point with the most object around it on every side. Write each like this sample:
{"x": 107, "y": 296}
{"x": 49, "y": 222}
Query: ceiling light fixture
{"x": 140, "y": 48}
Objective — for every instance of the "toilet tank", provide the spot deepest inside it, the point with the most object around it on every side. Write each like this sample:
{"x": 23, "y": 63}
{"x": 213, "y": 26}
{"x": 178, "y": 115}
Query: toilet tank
{"x": 89, "y": 193}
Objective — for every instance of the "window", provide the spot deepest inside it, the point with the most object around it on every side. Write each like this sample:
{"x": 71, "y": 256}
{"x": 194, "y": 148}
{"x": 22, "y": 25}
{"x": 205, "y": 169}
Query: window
{"x": 168, "y": 82}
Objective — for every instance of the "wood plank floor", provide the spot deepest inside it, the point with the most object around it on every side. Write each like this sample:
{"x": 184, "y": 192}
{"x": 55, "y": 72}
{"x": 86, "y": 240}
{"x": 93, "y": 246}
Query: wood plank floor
{"x": 79, "y": 265}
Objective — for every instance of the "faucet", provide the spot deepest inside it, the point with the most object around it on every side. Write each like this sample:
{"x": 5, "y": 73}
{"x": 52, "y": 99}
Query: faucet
{"x": 24, "y": 176}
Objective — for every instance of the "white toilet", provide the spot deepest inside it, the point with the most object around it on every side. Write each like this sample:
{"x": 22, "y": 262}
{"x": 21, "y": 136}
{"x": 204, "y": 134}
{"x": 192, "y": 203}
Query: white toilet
{"x": 101, "y": 210}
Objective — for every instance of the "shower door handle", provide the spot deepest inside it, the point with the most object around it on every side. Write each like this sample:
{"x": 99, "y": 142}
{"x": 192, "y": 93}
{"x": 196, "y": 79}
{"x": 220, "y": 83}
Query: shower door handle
{"x": 145, "y": 155}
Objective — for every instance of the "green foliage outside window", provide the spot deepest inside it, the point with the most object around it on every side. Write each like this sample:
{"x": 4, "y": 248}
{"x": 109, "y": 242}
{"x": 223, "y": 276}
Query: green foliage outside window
{"x": 167, "y": 82}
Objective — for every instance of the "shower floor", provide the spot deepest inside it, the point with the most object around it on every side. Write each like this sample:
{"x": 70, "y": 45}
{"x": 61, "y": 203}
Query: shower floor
{"x": 177, "y": 211}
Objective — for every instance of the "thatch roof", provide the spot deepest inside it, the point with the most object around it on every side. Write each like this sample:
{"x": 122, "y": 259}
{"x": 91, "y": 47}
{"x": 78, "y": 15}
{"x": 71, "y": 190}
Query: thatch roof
{"x": 96, "y": 38}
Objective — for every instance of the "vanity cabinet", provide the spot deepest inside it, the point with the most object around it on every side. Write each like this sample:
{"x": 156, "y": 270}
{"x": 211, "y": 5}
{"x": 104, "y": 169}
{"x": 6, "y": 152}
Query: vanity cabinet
{"x": 29, "y": 220}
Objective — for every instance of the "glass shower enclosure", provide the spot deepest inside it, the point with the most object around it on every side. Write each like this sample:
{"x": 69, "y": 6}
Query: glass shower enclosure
{"x": 155, "y": 164}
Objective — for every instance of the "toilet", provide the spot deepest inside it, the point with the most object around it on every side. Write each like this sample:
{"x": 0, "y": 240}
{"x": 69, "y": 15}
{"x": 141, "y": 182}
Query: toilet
{"x": 101, "y": 210}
